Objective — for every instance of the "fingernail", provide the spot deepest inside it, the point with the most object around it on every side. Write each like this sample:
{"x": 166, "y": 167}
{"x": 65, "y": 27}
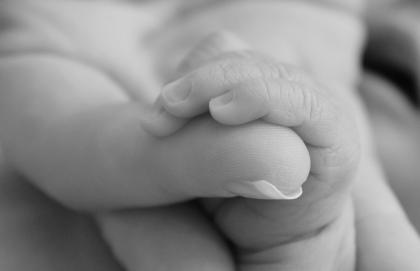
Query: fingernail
{"x": 177, "y": 91}
{"x": 148, "y": 119}
{"x": 262, "y": 190}
{"x": 222, "y": 100}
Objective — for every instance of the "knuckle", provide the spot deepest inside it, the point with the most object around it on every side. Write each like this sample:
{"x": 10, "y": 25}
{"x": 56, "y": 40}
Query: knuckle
{"x": 264, "y": 90}
{"x": 309, "y": 102}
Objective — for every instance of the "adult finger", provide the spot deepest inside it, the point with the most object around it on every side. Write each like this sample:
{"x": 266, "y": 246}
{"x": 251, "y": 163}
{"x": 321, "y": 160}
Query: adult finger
{"x": 80, "y": 139}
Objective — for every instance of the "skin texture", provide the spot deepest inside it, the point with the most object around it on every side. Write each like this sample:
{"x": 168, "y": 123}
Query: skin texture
{"x": 62, "y": 106}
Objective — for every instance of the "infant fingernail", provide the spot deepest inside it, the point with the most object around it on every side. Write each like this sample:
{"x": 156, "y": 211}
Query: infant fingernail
{"x": 262, "y": 190}
{"x": 160, "y": 123}
{"x": 148, "y": 120}
{"x": 222, "y": 100}
{"x": 177, "y": 91}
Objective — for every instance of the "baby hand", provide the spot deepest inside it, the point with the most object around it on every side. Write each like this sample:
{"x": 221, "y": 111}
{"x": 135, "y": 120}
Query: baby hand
{"x": 238, "y": 87}
{"x": 241, "y": 86}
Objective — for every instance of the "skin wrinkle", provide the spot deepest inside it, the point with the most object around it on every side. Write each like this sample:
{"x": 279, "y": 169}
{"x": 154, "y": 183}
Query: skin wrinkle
{"x": 246, "y": 252}
{"x": 267, "y": 97}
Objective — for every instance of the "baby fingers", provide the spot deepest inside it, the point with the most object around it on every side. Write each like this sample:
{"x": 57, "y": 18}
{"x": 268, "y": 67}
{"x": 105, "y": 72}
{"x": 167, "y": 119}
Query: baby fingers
{"x": 189, "y": 96}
